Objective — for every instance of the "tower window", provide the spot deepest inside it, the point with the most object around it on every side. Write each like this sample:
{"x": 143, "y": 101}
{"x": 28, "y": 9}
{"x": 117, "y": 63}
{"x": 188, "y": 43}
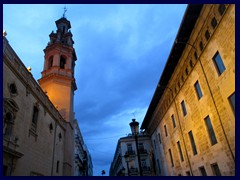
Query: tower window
{"x": 50, "y": 62}
{"x": 62, "y": 62}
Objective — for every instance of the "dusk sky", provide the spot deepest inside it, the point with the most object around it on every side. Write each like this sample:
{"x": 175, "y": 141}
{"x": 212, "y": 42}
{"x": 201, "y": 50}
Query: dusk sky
{"x": 121, "y": 52}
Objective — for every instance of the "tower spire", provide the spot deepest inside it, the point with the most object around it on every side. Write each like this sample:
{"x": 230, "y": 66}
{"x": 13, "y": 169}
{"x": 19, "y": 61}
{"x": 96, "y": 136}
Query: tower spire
{"x": 64, "y": 11}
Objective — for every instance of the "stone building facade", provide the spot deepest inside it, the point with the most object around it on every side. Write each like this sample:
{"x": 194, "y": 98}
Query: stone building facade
{"x": 38, "y": 132}
{"x": 121, "y": 166}
{"x": 83, "y": 161}
{"x": 191, "y": 118}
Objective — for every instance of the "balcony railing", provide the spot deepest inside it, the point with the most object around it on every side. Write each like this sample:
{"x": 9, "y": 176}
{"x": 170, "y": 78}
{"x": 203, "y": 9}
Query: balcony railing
{"x": 133, "y": 170}
{"x": 130, "y": 152}
{"x": 143, "y": 151}
{"x": 146, "y": 168}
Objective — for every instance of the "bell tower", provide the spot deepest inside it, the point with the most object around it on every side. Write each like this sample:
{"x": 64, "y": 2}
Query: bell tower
{"x": 58, "y": 72}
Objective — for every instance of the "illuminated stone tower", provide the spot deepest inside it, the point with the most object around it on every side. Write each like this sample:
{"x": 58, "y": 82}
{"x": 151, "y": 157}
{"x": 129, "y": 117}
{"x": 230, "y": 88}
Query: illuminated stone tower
{"x": 58, "y": 83}
{"x": 58, "y": 74}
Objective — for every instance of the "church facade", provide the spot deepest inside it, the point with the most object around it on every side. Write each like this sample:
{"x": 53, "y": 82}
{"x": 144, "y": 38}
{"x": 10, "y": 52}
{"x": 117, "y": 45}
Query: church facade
{"x": 38, "y": 132}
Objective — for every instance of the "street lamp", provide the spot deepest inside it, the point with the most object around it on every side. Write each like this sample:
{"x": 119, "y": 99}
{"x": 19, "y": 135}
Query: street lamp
{"x": 134, "y": 128}
{"x": 127, "y": 159}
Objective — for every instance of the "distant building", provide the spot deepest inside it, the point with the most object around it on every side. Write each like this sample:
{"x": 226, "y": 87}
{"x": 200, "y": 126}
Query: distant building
{"x": 121, "y": 166}
{"x": 83, "y": 162}
{"x": 191, "y": 117}
{"x": 38, "y": 129}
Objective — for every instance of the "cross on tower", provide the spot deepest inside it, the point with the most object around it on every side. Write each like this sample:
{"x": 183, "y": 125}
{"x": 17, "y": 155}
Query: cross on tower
{"x": 64, "y": 11}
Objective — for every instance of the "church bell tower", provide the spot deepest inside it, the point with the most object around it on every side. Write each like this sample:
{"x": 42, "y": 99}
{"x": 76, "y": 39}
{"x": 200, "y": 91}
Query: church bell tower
{"x": 57, "y": 79}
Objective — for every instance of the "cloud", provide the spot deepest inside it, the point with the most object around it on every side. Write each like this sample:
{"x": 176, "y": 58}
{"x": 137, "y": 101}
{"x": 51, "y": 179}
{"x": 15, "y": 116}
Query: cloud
{"x": 121, "y": 51}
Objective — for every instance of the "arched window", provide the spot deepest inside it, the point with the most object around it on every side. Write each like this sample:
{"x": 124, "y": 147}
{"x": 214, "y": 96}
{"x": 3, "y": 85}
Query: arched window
{"x": 13, "y": 89}
{"x": 50, "y": 62}
{"x": 62, "y": 62}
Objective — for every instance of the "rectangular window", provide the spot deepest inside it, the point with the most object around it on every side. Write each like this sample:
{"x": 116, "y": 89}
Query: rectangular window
{"x": 221, "y": 8}
{"x": 35, "y": 115}
{"x": 218, "y": 63}
{"x": 143, "y": 163}
{"x": 159, "y": 138}
{"x": 129, "y": 149}
{"x": 57, "y": 169}
{"x": 207, "y": 35}
{"x": 184, "y": 108}
{"x": 194, "y": 149}
{"x": 140, "y": 147}
{"x": 171, "y": 158}
{"x": 173, "y": 121}
{"x": 180, "y": 151}
{"x": 154, "y": 142}
{"x": 210, "y": 130}
{"x": 232, "y": 102}
{"x": 165, "y": 128}
{"x": 216, "y": 169}
{"x": 195, "y": 55}
{"x": 198, "y": 90}
{"x": 203, "y": 171}
{"x": 201, "y": 45}
{"x": 214, "y": 22}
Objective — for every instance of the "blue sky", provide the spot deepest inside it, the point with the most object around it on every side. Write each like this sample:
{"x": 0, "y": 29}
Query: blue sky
{"x": 121, "y": 52}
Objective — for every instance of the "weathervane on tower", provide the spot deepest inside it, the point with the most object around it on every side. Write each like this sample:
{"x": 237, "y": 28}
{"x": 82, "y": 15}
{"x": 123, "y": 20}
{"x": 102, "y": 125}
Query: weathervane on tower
{"x": 65, "y": 10}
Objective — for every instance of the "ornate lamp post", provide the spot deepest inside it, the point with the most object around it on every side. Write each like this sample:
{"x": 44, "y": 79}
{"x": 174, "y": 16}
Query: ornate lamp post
{"x": 134, "y": 128}
{"x": 126, "y": 156}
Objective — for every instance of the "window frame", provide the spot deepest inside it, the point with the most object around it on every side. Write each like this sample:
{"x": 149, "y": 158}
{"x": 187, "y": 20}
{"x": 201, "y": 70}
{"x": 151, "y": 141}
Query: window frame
{"x": 232, "y": 104}
{"x": 193, "y": 144}
{"x": 165, "y": 128}
{"x": 198, "y": 90}
{"x": 210, "y": 130}
{"x": 219, "y": 64}
{"x": 216, "y": 169}
{"x": 202, "y": 170}
{"x": 171, "y": 157}
{"x": 180, "y": 151}
{"x": 173, "y": 121}
{"x": 184, "y": 109}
